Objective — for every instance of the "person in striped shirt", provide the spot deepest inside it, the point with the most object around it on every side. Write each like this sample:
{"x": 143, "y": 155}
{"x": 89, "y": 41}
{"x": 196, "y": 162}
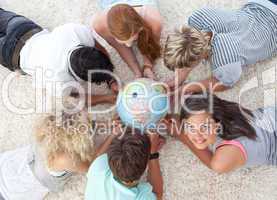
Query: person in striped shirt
{"x": 227, "y": 39}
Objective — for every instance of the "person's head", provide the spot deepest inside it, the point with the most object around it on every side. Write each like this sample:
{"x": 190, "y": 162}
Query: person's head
{"x": 186, "y": 47}
{"x": 207, "y": 116}
{"x": 128, "y": 156}
{"x": 85, "y": 59}
{"x": 71, "y": 134}
{"x": 127, "y": 26}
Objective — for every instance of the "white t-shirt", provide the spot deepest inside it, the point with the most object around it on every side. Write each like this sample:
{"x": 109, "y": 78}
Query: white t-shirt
{"x": 17, "y": 180}
{"x": 47, "y": 53}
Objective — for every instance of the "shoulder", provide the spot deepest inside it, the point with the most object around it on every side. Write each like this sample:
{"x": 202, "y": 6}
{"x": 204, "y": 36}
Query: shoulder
{"x": 99, "y": 165}
{"x": 145, "y": 192}
{"x": 225, "y": 49}
{"x": 153, "y": 18}
{"x": 72, "y": 27}
{"x": 100, "y": 25}
{"x": 201, "y": 18}
{"x": 74, "y": 33}
{"x": 228, "y": 155}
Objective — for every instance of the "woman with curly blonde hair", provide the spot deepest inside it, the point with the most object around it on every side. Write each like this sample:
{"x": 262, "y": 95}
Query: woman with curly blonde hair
{"x": 123, "y": 22}
{"x": 229, "y": 40}
{"x": 60, "y": 149}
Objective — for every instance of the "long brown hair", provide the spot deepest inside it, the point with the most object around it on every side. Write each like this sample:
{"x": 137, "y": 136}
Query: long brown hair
{"x": 124, "y": 22}
{"x": 235, "y": 119}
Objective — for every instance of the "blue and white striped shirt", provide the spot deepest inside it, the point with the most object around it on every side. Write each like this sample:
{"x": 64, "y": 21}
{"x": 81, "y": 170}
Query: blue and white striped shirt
{"x": 240, "y": 37}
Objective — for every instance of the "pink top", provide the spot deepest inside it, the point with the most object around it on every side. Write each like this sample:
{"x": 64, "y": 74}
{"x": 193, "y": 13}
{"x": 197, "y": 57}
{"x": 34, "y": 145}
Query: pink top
{"x": 234, "y": 143}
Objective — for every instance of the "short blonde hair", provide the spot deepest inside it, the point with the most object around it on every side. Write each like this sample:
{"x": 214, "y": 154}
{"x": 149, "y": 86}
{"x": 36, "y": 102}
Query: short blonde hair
{"x": 185, "y": 47}
{"x": 72, "y": 135}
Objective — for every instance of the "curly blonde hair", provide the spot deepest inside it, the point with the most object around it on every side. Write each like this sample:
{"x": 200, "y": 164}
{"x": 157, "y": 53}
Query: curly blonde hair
{"x": 71, "y": 134}
{"x": 185, "y": 47}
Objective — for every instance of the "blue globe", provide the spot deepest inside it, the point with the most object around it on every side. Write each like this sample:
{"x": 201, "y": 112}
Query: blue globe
{"x": 142, "y": 103}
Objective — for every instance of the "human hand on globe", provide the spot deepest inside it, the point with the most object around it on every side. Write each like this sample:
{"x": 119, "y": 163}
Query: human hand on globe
{"x": 148, "y": 73}
{"x": 173, "y": 125}
{"x": 117, "y": 126}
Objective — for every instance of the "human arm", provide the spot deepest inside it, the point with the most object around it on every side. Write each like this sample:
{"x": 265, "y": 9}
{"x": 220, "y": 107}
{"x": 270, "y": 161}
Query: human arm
{"x": 101, "y": 48}
{"x": 154, "y": 19}
{"x": 104, "y": 147}
{"x": 180, "y": 75}
{"x": 225, "y": 159}
{"x": 98, "y": 99}
{"x": 116, "y": 132}
{"x": 154, "y": 171}
{"x": 211, "y": 84}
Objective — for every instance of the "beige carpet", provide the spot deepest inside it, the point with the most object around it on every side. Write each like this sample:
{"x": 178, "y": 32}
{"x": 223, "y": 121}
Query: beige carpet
{"x": 184, "y": 176}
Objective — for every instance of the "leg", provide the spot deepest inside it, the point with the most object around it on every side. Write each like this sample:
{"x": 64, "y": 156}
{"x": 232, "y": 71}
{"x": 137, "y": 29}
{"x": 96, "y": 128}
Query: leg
{"x": 274, "y": 1}
{"x": 5, "y": 17}
{"x": 12, "y": 28}
{"x": 1, "y": 197}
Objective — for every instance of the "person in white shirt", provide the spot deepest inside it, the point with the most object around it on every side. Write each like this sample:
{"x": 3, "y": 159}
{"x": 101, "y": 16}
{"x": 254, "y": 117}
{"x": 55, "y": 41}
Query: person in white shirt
{"x": 67, "y": 55}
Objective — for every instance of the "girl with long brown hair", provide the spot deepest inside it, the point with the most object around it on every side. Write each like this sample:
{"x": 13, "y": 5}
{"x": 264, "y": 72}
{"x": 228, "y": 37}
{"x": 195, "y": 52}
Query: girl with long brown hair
{"x": 224, "y": 135}
{"x": 124, "y": 22}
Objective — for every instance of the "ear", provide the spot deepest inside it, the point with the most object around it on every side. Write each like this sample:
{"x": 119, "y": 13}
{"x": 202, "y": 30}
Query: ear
{"x": 218, "y": 127}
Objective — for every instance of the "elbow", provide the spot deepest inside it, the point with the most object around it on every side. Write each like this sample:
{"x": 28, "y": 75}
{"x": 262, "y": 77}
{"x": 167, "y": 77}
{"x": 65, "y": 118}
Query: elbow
{"x": 159, "y": 195}
{"x": 219, "y": 168}
{"x": 159, "y": 192}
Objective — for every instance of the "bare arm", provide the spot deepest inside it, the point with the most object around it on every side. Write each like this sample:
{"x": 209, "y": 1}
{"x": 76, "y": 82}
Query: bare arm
{"x": 211, "y": 84}
{"x": 98, "y": 99}
{"x": 154, "y": 19}
{"x": 104, "y": 147}
{"x": 226, "y": 158}
{"x": 154, "y": 171}
{"x": 155, "y": 178}
{"x": 101, "y": 48}
{"x": 180, "y": 75}
{"x": 127, "y": 54}
{"x": 116, "y": 132}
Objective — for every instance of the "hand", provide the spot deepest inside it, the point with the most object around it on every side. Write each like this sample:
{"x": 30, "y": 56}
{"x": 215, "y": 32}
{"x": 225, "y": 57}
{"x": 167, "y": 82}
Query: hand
{"x": 111, "y": 98}
{"x": 147, "y": 72}
{"x": 157, "y": 142}
{"x": 117, "y": 126}
{"x": 173, "y": 125}
{"x": 180, "y": 75}
{"x": 138, "y": 74}
{"x": 114, "y": 87}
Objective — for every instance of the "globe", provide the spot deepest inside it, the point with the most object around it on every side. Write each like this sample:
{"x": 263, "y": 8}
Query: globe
{"x": 142, "y": 103}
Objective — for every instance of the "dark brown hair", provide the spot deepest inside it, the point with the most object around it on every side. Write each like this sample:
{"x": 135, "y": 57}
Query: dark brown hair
{"x": 234, "y": 119}
{"x": 124, "y": 21}
{"x": 128, "y": 156}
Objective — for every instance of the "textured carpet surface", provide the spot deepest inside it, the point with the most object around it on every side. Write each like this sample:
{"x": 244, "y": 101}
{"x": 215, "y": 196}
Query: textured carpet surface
{"x": 184, "y": 176}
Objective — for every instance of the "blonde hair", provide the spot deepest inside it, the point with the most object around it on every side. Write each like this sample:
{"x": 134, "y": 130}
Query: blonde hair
{"x": 124, "y": 21}
{"x": 185, "y": 47}
{"x": 72, "y": 135}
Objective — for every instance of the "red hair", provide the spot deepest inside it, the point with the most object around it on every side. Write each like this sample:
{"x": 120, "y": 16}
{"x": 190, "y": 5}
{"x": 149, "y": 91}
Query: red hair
{"x": 124, "y": 22}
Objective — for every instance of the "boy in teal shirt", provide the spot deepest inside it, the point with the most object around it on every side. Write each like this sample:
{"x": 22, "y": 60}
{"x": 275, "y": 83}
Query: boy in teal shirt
{"x": 115, "y": 174}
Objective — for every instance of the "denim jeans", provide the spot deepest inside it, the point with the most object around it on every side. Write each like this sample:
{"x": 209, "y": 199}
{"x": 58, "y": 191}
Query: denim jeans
{"x": 12, "y": 28}
{"x": 274, "y": 1}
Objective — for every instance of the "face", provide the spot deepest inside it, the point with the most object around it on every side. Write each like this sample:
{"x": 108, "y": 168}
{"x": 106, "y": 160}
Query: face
{"x": 201, "y": 129}
{"x": 130, "y": 41}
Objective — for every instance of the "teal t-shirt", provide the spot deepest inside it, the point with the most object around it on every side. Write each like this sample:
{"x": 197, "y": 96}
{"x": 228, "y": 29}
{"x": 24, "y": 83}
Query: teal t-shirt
{"x": 101, "y": 185}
